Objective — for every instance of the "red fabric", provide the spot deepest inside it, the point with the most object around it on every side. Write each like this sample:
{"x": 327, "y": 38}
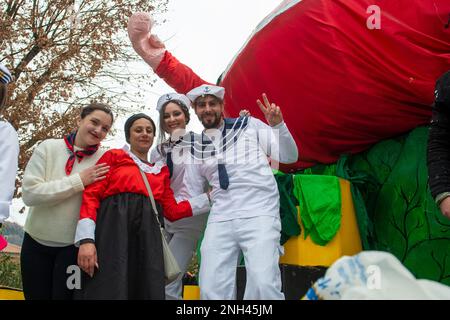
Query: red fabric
{"x": 124, "y": 176}
{"x": 178, "y": 75}
{"x": 341, "y": 86}
{"x": 3, "y": 243}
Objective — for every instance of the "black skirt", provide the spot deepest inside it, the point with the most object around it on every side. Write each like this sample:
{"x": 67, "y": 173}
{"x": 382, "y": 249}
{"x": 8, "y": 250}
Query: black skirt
{"x": 129, "y": 252}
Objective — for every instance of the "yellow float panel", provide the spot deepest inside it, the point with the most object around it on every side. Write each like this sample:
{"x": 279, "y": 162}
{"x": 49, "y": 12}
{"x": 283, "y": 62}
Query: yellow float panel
{"x": 304, "y": 252}
{"x": 191, "y": 292}
{"x": 11, "y": 294}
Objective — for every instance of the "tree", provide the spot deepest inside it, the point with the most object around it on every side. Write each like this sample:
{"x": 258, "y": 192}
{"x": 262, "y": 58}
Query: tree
{"x": 64, "y": 54}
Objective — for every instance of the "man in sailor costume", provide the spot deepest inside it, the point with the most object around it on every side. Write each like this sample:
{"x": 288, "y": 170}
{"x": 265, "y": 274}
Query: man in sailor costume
{"x": 232, "y": 156}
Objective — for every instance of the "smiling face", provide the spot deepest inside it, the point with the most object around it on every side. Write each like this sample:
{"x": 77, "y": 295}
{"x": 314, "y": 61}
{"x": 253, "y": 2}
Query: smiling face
{"x": 142, "y": 134}
{"x": 174, "y": 117}
{"x": 93, "y": 128}
{"x": 209, "y": 110}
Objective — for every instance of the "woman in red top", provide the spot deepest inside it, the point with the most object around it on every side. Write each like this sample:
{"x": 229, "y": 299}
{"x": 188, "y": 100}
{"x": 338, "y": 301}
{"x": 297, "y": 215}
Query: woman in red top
{"x": 119, "y": 237}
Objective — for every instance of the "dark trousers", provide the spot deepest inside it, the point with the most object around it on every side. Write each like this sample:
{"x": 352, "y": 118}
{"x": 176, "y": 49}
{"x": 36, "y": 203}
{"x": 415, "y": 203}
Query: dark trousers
{"x": 44, "y": 270}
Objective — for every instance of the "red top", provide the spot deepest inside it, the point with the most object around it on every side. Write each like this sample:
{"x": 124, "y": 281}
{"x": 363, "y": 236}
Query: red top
{"x": 124, "y": 176}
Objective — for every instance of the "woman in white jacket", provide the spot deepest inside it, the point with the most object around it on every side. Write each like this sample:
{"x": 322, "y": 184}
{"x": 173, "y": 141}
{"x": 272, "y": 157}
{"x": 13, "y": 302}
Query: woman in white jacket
{"x": 9, "y": 150}
{"x": 183, "y": 234}
{"x": 54, "y": 179}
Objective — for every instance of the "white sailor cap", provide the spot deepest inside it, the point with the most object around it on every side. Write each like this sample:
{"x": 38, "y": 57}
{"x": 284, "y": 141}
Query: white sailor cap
{"x": 206, "y": 89}
{"x": 165, "y": 98}
{"x": 5, "y": 75}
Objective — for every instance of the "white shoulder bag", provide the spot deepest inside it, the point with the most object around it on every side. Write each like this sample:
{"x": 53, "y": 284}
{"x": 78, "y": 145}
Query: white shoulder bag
{"x": 171, "y": 267}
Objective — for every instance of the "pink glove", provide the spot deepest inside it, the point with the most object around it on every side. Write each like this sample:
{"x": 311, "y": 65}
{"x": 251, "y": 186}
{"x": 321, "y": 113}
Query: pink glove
{"x": 3, "y": 243}
{"x": 147, "y": 45}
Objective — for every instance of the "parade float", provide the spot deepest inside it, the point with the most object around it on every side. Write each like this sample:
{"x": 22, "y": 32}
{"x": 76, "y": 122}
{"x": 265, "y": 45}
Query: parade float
{"x": 355, "y": 82}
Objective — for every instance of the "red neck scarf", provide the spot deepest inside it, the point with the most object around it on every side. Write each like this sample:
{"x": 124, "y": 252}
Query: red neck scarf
{"x": 80, "y": 154}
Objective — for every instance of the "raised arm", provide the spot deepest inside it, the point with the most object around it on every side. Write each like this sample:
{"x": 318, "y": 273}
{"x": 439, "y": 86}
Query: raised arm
{"x": 275, "y": 139}
{"x": 148, "y": 46}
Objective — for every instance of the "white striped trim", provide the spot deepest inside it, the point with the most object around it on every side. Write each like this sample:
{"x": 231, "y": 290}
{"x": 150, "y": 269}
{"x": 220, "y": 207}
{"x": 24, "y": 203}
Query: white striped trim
{"x": 5, "y": 75}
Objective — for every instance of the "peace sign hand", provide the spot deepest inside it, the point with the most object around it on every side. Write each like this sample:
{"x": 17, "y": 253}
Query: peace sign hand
{"x": 272, "y": 112}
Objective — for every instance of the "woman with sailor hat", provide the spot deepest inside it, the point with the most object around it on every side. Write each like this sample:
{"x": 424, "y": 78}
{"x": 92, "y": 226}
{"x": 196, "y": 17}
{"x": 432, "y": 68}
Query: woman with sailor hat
{"x": 174, "y": 150}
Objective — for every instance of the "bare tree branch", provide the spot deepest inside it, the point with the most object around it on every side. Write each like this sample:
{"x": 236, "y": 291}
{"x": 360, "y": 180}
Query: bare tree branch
{"x": 64, "y": 54}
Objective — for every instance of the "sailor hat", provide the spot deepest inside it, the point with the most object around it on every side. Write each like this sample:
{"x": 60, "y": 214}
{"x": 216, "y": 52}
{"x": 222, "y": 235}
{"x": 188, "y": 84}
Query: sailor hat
{"x": 5, "y": 75}
{"x": 165, "y": 98}
{"x": 206, "y": 89}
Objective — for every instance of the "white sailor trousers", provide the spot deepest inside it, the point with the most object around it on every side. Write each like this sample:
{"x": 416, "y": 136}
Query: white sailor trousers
{"x": 259, "y": 240}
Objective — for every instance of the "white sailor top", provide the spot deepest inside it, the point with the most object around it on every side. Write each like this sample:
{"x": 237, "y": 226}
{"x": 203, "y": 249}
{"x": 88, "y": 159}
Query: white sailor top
{"x": 9, "y": 150}
{"x": 181, "y": 185}
{"x": 251, "y": 189}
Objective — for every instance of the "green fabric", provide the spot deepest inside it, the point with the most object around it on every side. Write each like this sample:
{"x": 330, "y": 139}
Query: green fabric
{"x": 406, "y": 220}
{"x": 394, "y": 207}
{"x": 320, "y": 206}
{"x": 357, "y": 181}
{"x": 360, "y": 180}
{"x": 321, "y": 169}
{"x": 288, "y": 207}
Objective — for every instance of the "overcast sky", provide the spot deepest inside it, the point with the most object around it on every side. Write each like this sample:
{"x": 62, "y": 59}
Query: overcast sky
{"x": 203, "y": 34}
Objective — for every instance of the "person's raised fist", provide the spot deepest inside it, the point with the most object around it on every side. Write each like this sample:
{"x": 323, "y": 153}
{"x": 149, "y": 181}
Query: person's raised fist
{"x": 146, "y": 45}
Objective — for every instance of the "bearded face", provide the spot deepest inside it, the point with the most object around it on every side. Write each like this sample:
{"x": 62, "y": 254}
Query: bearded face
{"x": 209, "y": 110}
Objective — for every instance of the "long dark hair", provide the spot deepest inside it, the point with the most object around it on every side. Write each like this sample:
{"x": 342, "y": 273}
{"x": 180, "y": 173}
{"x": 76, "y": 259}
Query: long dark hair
{"x": 163, "y": 139}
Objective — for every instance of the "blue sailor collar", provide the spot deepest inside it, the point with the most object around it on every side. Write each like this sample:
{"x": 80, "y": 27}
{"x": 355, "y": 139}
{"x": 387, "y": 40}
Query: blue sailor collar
{"x": 201, "y": 145}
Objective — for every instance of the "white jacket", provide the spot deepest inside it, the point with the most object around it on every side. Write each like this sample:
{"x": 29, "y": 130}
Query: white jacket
{"x": 9, "y": 153}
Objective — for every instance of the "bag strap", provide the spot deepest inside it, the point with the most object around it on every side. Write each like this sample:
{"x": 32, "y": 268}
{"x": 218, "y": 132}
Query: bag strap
{"x": 150, "y": 195}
